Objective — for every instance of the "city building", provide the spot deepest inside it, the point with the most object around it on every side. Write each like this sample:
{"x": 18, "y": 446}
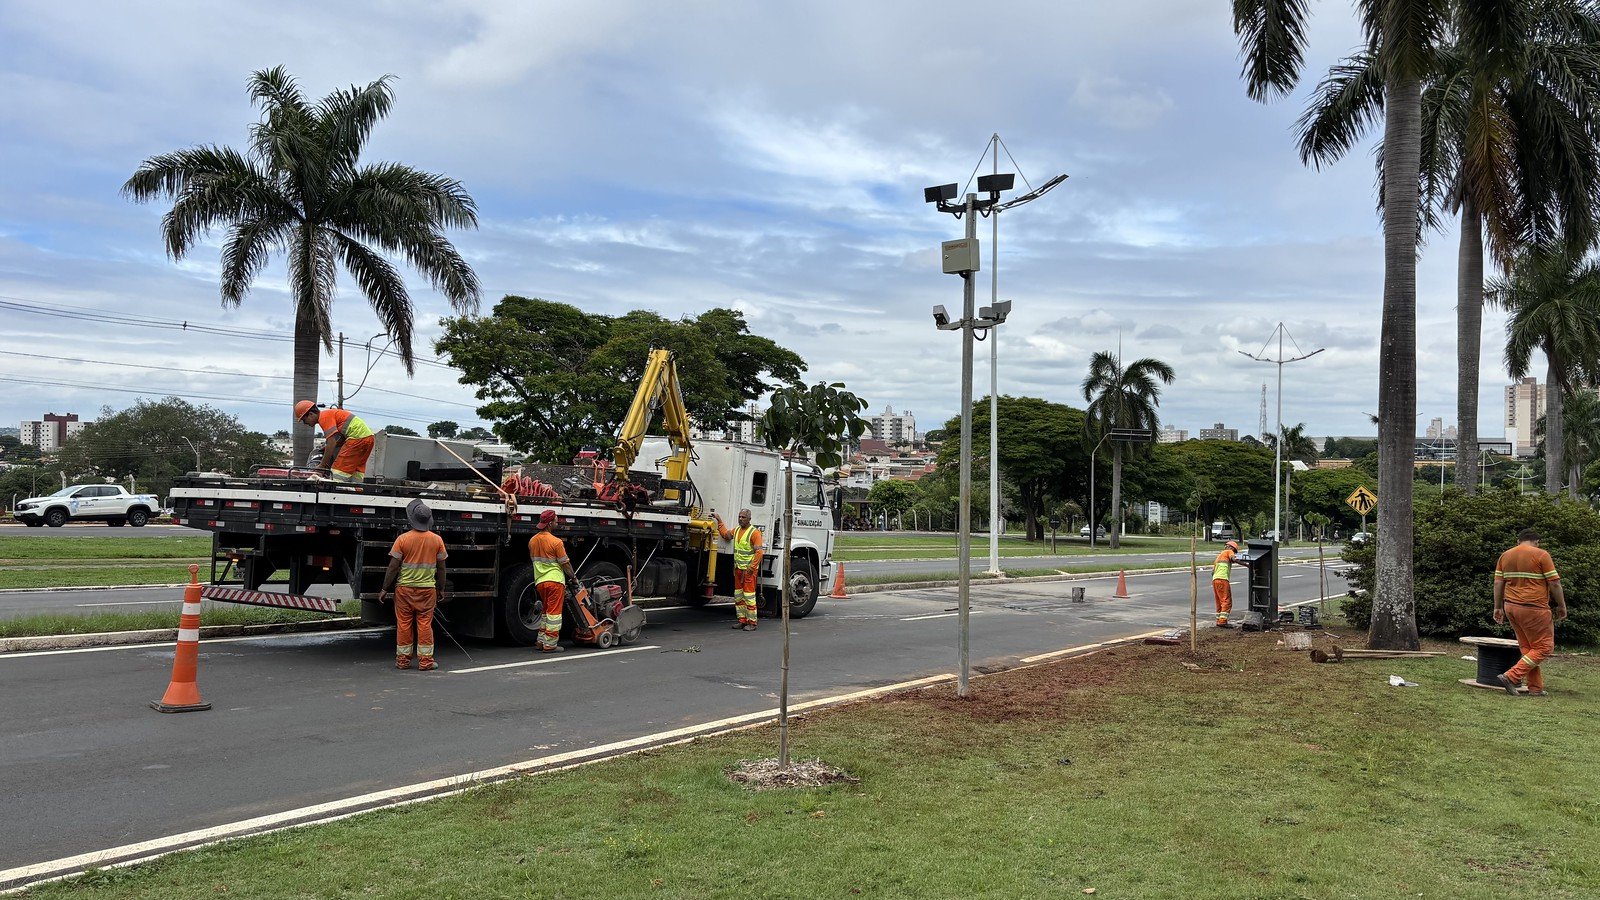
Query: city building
{"x": 1219, "y": 432}
{"x": 1435, "y": 429}
{"x": 893, "y": 428}
{"x": 1524, "y": 405}
{"x": 1170, "y": 435}
{"x": 51, "y": 432}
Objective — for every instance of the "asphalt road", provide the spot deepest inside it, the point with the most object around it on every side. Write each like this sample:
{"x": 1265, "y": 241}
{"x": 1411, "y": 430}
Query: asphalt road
{"x": 306, "y": 719}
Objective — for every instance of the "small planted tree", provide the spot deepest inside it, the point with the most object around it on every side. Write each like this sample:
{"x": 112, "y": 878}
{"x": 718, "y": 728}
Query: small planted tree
{"x": 819, "y": 421}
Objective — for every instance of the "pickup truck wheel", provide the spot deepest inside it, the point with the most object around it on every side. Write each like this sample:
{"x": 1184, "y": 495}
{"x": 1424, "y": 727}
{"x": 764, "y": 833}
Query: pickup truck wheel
{"x": 55, "y": 517}
{"x": 138, "y": 516}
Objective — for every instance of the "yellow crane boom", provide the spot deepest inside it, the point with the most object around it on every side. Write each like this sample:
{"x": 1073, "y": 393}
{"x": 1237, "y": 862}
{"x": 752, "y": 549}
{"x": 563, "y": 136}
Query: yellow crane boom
{"x": 658, "y": 389}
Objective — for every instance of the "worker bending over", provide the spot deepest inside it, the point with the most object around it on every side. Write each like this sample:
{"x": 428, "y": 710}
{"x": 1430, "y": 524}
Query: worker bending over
{"x": 747, "y": 552}
{"x": 1525, "y": 581}
{"x": 347, "y": 441}
{"x": 416, "y": 561}
{"x": 1221, "y": 571}
{"x": 551, "y": 569}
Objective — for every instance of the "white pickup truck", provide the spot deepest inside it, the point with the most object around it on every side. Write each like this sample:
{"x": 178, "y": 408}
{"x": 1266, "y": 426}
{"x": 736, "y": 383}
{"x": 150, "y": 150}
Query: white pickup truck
{"x": 107, "y": 503}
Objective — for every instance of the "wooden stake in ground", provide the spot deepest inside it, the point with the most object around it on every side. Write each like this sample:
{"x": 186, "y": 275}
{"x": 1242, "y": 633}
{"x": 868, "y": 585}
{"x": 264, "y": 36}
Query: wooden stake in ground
{"x": 1322, "y": 580}
{"x": 1194, "y": 592}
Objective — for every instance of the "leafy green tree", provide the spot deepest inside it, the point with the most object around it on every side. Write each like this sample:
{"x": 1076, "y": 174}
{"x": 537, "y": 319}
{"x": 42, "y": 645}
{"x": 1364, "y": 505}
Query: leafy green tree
{"x": 1553, "y": 298}
{"x": 1404, "y": 37}
{"x": 157, "y": 440}
{"x": 1232, "y": 480}
{"x": 1041, "y": 452}
{"x": 1348, "y": 448}
{"x": 300, "y": 190}
{"x": 557, "y": 379}
{"x": 1323, "y": 492}
{"x": 893, "y": 495}
{"x": 1581, "y": 429}
{"x": 820, "y": 421}
{"x": 1122, "y": 397}
{"x": 476, "y": 433}
{"x": 22, "y": 481}
{"x": 445, "y": 429}
{"x": 14, "y": 452}
{"x": 400, "y": 429}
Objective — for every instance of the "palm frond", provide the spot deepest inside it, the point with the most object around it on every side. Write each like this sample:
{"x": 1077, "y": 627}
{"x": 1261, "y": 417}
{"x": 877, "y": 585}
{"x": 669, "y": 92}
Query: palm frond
{"x": 350, "y": 115}
{"x": 1346, "y": 106}
{"x": 385, "y": 290}
{"x": 248, "y": 248}
{"x": 1272, "y": 39}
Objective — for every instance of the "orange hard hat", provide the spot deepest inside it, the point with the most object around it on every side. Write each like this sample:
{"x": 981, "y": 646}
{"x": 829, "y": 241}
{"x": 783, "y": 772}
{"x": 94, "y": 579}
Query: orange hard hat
{"x": 303, "y": 407}
{"x": 1233, "y": 544}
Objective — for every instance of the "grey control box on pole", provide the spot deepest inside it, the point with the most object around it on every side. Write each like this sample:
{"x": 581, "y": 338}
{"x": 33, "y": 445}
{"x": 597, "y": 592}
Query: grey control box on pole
{"x": 960, "y": 256}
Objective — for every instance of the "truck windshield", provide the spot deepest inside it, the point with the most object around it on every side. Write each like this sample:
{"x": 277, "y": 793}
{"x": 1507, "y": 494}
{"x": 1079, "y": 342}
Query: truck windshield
{"x": 807, "y": 490}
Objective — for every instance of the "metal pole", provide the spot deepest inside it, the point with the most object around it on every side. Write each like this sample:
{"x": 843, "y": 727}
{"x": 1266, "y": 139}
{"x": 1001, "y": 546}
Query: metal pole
{"x": 964, "y": 544}
{"x": 341, "y": 370}
{"x": 1091, "y": 494}
{"x": 994, "y": 383}
{"x": 1277, "y": 457}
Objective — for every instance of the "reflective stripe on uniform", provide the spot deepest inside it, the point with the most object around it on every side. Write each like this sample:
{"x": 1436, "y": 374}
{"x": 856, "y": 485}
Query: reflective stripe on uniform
{"x": 744, "y": 548}
{"x": 548, "y": 568}
{"x": 417, "y": 574}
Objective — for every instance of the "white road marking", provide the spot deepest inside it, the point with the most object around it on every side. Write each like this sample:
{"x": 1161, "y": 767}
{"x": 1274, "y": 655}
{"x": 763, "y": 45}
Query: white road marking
{"x": 1301, "y": 575}
{"x": 204, "y": 642}
{"x": 551, "y": 658}
{"x": 127, "y": 603}
{"x": 938, "y": 616}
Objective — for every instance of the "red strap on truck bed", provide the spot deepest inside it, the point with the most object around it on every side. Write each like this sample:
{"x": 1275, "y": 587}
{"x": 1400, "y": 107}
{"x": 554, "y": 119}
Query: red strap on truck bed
{"x": 267, "y": 598}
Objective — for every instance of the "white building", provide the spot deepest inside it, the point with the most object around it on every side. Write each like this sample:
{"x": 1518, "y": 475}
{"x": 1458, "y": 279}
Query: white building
{"x": 51, "y": 432}
{"x": 1524, "y": 405}
{"x": 893, "y": 428}
{"x": 1170, "y": 435}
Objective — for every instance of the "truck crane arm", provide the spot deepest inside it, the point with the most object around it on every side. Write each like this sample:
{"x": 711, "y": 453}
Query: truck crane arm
{"x": 658, "y": 389}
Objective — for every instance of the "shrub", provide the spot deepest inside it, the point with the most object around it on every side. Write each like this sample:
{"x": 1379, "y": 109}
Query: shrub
{"x": 1456, "y": 547}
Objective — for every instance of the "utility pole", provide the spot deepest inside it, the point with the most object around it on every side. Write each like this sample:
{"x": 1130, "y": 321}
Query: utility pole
{"x": 1277, "y": 443}
{"x": 994, "y": 383}
{"x": 340, "y": 404}
{"x": 964, "y": 541}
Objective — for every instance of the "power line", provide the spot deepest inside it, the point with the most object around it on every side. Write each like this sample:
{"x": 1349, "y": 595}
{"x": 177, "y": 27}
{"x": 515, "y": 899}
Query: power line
{"x": 390, "y": 414}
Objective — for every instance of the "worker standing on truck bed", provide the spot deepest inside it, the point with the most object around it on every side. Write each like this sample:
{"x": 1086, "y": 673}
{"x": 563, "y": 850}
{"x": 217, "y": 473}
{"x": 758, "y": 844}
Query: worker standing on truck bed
{"x": 747, "y": 552}
{"x": 417, "y": 561}
{"x": 1221, "y": 571}
{"x": 551, "y": 569}
{"x": 347, "y": 440}
{"x": 1525, "y": 583}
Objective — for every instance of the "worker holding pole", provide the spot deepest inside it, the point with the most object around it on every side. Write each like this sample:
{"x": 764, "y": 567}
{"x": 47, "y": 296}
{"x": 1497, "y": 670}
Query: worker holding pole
{"x": 347, "y": 441}
{"x": 551, "y": 569}
{"x": 416, "y": 562}
{"x": 747, "y": 552}
{"x": 1525, "y": 581}
{"x": 1221, "y": 571}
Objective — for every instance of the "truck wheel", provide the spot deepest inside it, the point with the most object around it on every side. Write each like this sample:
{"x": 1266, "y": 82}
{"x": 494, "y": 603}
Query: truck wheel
{"x": 520, "y": 610}
{"x": 802, "y": 588}
{"x": 138, "y": 516}
{"x": 55, "y": 517}
{"x": 607, "y": 572}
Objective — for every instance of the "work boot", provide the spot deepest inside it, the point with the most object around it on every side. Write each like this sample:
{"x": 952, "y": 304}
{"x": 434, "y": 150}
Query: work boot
{"x": 1508, "y": 684}
{"x": 553, "y": 648}
{"x": 426, "y": 664}
{"x": 749, "y": 626}
{"x": 738, "y": 625}
{"x": 402, "y": 662}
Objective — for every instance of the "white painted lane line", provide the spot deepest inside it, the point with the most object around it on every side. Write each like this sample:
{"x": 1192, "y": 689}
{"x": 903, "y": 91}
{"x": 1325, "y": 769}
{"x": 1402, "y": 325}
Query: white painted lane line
{"x": 29, "y": 654}
{"x": 332, "y": 811}
{"x": 947, "y": 615}
{"x": 152, "y": 602}
{"x": 1301, "y": 575}
{"x": 554, "y": 658}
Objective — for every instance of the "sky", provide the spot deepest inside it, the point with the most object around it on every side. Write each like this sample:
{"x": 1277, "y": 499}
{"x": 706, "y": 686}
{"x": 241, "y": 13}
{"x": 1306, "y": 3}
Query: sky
{"x": 766, "y": 157}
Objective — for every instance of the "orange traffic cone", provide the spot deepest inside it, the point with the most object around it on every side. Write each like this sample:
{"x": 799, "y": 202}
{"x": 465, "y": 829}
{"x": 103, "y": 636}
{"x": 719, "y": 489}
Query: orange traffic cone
{"x": 838, "y": 584}
{"x": 183, "y": 695}
{"x": 1122, "y": 585}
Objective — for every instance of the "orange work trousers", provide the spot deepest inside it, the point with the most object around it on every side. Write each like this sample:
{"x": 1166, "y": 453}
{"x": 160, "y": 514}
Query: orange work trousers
{"x": 744, "y": 594}
{"x": 352, "y": 459}
{"x": 551, "y": 594}
{"x": 1536, "y": 638}
{"x": 1224, "y": 593}
{"x": 413, "y": 619}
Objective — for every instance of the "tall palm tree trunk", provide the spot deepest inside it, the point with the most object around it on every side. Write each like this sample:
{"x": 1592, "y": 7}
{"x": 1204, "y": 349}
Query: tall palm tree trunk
{"x": 1469, "y": 343}
{"x": 1394, "y": 621}
{"x": 307, "y": 359}
{"x": 1116, "y": 494}
{"x": 1555, "y": 432}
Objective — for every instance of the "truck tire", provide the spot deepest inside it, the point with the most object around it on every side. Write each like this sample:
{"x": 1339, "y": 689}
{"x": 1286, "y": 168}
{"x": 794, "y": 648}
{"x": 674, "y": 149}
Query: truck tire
{"x": 520, "y": 612}
{"x": 138, "y": 516}
{"x": 603, "y": 571}
{"x": 802, "y": 588}
{"x": 55, "y": 517}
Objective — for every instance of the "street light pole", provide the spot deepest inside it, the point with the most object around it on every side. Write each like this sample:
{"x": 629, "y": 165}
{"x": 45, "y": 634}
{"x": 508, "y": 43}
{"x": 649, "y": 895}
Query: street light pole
{"x": 994, "y": 383}
{"x": 964, "y": 544}
{"x": 195, "y": 449}
{"x": 1093, "y": 531}
{"x": 1277, "y": 441}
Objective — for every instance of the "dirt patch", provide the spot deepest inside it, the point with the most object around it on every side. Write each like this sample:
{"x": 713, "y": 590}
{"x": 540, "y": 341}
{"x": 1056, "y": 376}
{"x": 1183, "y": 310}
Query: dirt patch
{"x": 765, "y": 775}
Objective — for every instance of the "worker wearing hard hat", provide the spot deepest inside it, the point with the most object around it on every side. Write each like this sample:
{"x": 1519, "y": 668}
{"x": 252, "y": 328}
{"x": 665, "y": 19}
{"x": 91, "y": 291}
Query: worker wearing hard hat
{"x": 1221, "y": 571}
{"x": 551, "y": 569}
{"x": 347, "y": 440}
{"x": 747, "y": 552}
{"x": 416, "y": 575}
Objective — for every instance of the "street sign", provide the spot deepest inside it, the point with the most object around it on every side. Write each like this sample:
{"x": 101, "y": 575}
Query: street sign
{"x": 1362, "y": 501}
{"x": 1055, "y": 522}
{"x": 1133, "y": 435}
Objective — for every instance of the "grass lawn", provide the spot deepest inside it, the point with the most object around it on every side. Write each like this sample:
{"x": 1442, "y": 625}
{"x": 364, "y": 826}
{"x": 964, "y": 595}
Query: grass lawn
{"x": 89, "y": 561}
{"x": 1259, "y": 776}
{"x": 215, "y": 614}
{"x": 76, "y": 548}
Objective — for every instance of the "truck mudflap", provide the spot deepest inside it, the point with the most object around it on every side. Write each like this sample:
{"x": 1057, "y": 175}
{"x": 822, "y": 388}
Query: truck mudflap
{"x": 268, "y": 598}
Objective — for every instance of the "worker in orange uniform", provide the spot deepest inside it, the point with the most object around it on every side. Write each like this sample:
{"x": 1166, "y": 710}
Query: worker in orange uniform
{"x": 1221, "y": 571}
{"x": 551, "y": 569}
{"x": 347, "y": 441}
{"x": 1525, "y": 582}
{"x": 416, "y": 561}
{"x": 747, "y": 552}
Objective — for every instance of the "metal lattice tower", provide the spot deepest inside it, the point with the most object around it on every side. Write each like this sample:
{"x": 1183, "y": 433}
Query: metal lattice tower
{"x": 1263, "y": 431}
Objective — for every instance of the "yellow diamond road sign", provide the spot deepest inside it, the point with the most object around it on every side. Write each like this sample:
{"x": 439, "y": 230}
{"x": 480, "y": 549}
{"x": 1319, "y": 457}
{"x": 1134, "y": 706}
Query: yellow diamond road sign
{"x": 1362, "y": 500}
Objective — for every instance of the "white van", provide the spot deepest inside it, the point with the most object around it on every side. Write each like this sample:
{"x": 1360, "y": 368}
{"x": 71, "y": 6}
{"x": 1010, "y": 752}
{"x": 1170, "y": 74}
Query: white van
{"x": 1221, "y": 531}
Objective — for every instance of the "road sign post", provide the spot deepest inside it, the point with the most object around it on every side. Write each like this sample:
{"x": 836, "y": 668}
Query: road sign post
{"x": 1362, "y": 501}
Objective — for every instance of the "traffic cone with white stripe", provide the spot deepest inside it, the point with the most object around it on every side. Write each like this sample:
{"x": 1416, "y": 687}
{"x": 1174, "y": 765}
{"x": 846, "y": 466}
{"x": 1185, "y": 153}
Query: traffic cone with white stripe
{"x": 838, "y": 584}
{"x": 183, "y": 694}
{"x": 1122, "y": 585}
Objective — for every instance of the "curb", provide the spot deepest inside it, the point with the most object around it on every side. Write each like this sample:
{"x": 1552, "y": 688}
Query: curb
{"x": 157, "y": 635}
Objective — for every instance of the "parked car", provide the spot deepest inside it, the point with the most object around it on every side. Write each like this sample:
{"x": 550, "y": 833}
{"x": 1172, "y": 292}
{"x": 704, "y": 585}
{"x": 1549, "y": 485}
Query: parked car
{"x": 1099, "y": 531}
{"x": 1221, "y": 531}
{"x": 1360, "y": 537}
{"x": 108, "y": 503}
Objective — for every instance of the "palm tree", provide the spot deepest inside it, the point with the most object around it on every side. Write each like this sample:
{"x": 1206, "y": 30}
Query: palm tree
{"x": 1402, "y": 36}
{"x": 300, "y": 189}
{"x": 1554, "y": 301}
{"x": 1297, "y": 445}
{"x": 1122, "y": 398}
{"x": 1508, "y": 144}
{"x": 1582, "y": 431}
